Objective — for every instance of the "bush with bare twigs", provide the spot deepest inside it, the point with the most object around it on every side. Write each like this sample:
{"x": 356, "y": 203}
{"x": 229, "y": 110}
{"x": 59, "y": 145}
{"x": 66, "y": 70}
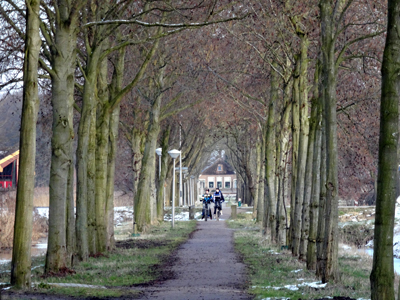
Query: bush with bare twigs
{"x": 7, "y": 218}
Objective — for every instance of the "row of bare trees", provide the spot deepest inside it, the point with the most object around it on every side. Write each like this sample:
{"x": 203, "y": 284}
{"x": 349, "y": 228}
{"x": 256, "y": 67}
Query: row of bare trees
{"x": 292, "y": 125}
{"x": 93, "y": 55}
{"x": 281, "y": 89}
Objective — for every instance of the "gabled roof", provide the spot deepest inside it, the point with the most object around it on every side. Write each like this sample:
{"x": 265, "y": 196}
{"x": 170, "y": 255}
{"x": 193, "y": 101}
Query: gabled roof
{"x": 213, "y": 169}
{"x": 5, "y": 161}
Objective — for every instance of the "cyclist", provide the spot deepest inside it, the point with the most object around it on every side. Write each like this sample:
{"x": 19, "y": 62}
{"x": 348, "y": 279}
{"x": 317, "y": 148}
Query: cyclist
{"x": 218, "y": 199}
{"x": 207, "y": 198}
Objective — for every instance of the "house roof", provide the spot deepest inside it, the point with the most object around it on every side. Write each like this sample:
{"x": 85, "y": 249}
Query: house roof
{"x": 213, "y": 169}
{"x": 6, "y": 160}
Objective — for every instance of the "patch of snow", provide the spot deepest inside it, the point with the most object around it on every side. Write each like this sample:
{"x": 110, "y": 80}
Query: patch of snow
{"x": 296, "y": 271}
{"x": 269, "y": 298}
{"x": 37, "y": 267}
{"x": 7, "y": 288}
{"x": 315, "y": 285}
{"x": 300, "y": 279}
{"x": 249, "y": 212}
{"x": 40, "y": 246}
{"x": 346, "y": 247}
{"x": 292, "y": 287}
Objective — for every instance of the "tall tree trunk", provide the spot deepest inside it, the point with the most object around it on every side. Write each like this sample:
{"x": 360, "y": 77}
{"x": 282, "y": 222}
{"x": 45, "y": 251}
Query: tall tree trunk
{"x": 115, "y": 88}
{"x": 329, "y": 71}
{"x": 382, "y": 275}
{"x": 303, "y": 147}
{"x": 112, "y": 152}
{"x": 102, "y": 147}
{"x": 281, "y": 229}
{"x": 143, "y": 204}
{"x": 91, "y": 185}
{"x": 261, "y": 188}
{"x": 70, "y": 230}
{"x": 163, "y": 175}
{"x": 21, "y": 259}
{"x": 63, "y": 81}
{"x": 295, "y": 206}
{"x": 295, "y": 150}
{"x": 322, "y": 199}
{"x": 315, "y": 134}
{"x": 257, "y": 176}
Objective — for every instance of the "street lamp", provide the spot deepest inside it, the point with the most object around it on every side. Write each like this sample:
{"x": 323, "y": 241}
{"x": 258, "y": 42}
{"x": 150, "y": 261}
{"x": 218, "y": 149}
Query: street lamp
{"x": 159, "y": 153}
{"x": 174, "y": 154}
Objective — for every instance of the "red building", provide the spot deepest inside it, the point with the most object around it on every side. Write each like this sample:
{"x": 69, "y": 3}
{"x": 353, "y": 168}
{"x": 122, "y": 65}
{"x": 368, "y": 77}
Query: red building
{"x": 9, "y": 169}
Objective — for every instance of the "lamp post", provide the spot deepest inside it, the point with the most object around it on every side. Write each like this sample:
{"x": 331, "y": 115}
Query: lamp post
{"x": 174, "y": 154}
{"x": 159, "y": 153}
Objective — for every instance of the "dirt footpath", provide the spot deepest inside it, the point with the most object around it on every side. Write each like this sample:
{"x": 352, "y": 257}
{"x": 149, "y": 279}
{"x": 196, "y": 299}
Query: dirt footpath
{"x": 206, "y": 267}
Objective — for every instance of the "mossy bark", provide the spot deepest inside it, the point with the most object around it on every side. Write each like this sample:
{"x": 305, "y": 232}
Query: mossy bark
{"x": 163, "y": 175}
{"x": 21, "y": 259}
{"x": 329, "y": 257}
{"x": 102, "y": 147}
{"x": 281, "y": 228}
{"x": 294, "y": 230}
{"x": 302, "y": 227}
{"x": 315, "y": 135}
{"x": 63, "y": 80}
{"x": 382, "y": 275}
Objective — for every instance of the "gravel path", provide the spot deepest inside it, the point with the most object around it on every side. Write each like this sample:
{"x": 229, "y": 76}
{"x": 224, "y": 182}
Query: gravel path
{"x": 206, "y": 267}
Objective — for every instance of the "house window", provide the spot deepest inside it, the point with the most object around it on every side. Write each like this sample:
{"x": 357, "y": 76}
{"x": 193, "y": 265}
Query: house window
{"x": 219, "y": 184}
{"x": 211, "y": 184}
{"x": 219, "y": 168}
{"x": 227, "y": 185}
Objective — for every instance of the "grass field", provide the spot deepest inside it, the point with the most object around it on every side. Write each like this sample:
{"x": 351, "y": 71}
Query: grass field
{"x": 135, "y": 261}
{"x": 275, "y": 273}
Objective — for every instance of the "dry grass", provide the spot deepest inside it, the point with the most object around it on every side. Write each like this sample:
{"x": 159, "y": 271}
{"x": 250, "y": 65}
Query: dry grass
{"x": 7, "y": 218}
{"x": 123, "y": 199}
{"x": 41, "y": 197}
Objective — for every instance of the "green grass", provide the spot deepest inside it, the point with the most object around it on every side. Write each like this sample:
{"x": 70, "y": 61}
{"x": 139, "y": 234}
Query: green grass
{"x": 134, "y": 261}
{"x": 270, "y": 267}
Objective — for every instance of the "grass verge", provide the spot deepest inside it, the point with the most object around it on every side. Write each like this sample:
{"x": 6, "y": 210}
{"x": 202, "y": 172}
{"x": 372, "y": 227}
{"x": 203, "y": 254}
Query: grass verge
{"x": 274, "y": 273}
{"x": 135, "y": 261}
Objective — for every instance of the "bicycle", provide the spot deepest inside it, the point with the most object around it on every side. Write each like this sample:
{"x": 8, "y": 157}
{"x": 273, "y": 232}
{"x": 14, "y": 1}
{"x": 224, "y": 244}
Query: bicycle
{"x": 206, "y": 209}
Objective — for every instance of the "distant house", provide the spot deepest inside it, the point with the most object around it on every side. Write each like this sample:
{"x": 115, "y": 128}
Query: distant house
{"x": 221, "y": 175}
{"x": 9, "y": 169}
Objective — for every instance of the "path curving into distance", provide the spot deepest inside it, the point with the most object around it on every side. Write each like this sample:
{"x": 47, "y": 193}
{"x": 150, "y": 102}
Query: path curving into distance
{"x": 206, "y": 267}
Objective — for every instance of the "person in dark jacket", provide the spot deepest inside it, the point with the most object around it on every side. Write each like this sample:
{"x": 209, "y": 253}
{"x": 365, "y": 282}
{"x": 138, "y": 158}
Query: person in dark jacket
{"x": 207, "y": 198}
{"x": 218, "y": 199}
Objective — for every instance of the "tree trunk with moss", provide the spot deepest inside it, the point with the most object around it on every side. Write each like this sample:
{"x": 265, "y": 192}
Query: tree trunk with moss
{"x": 63, "y": 80}
{"x": 294, "y": 236}
{"x": 281, "y": 229}
{"x": 70, "y": 230}
{"x": 146, "y": 187}
{"x": 315, "y": 134}
{"x": 302, "y": 227}
{"x": 329, "y": 259}
{"x": 382, "y": 275}
{"x": 102, "y": 147}
{"x": 91, "y": 185}
{"x": 261, "y": 189}
{"x": 257, "y": 176}
{"x": 163, "y": 175}
{"x": 21, "y": 259}
{"x": 115, "y": 88}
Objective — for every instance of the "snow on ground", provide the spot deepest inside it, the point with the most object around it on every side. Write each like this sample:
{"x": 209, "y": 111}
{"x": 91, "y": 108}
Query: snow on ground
{"x": 295, "y": 287}
{"x": 121, "y": 213}
{"x": 183, "y": 216}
